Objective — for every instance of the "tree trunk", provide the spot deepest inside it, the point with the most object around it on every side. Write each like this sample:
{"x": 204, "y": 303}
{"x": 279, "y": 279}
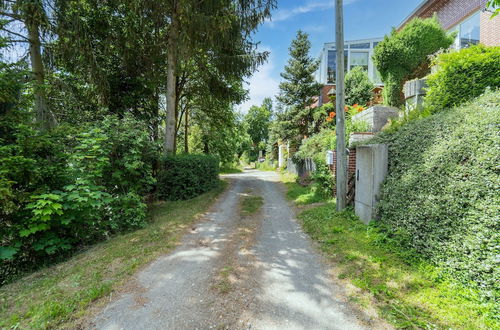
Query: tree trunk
{"x": 171, "y": 83}
{"x": 44, "y": 116}
{"x": 186, "y": 144}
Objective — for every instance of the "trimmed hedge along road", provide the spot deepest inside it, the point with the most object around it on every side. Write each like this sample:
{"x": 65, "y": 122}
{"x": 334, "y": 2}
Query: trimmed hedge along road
{"x": 441, "y": 194}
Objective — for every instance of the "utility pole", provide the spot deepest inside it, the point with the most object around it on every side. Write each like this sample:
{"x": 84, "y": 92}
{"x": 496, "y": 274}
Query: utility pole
{"x": 341, "y": 166}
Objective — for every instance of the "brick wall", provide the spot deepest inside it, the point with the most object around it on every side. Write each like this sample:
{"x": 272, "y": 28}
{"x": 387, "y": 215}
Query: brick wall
{"x": 351, "y": 162}
{"x": 450, "y": 12}
{"x": 489, "y": 29}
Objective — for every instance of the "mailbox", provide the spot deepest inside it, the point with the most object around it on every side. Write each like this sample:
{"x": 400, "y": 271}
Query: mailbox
{"x": 329, "y": 157}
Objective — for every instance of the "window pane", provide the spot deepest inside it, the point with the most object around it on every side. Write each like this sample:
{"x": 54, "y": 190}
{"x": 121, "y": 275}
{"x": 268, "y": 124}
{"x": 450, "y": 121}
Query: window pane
{"x": 360, "y": 46}
{"x": 331, "y": 69}
{"x": 332, "y": 66}
{"x": 359, "y": 59}
{"x": 469, "y": 31}
{"x": 375, "y": 44}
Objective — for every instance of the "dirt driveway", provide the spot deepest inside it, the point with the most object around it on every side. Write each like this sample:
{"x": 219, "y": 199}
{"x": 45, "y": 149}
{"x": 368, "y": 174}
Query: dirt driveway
{"x": 236, "y": 271}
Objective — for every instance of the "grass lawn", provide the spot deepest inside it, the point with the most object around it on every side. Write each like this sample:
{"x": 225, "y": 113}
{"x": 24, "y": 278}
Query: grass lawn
{"x": 404, "y": 290}
{"x": 61, "y": 296}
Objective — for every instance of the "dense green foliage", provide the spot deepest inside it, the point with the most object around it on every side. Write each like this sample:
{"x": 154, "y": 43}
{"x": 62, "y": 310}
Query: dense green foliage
{"x": 187, "y": 176}
{"x": 463, "y": 75}
{"x": 69, "y": 186}
{"x": 441, "y": 197}
{"x": 358, "y": 87}
{"x": 404, "y": 55}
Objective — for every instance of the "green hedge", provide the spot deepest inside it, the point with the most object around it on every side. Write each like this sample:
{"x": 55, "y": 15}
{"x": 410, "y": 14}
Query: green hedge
{"x": 404, "y": 55}
{"x": 441, "y": 196}
{"x": 463, "y": 75}
{"x": 187, "y": 176}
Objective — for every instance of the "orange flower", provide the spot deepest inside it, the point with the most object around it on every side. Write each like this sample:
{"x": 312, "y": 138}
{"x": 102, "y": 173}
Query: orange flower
{"x": 356, "y": 105}
{"x": 346, "y": 108}
{"x": 329, "y": 119}
{"x": 360, "y": 109}
{"x": 332, "y": 114}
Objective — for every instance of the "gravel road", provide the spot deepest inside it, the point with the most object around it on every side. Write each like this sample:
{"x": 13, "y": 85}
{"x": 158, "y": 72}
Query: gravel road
{"x": 237, "y": 272}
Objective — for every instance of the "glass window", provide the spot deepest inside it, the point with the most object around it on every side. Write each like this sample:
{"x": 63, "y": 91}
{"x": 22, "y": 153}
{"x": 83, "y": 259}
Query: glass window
{"x": 361, "y": 46}
{"x": 469, "y": 31}
{"x": 332, "y": 66}
{"x": 359, "y": 59}
{"x": 375, "y": 44}
{"x": 331, "y": 69}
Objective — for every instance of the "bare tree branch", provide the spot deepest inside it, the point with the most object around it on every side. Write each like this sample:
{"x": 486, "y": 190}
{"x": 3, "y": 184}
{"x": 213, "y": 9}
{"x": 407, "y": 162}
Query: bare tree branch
{"x": 11, "y": 15}
{"x": 14, "y": 33}
{"x": 11, "y": 41}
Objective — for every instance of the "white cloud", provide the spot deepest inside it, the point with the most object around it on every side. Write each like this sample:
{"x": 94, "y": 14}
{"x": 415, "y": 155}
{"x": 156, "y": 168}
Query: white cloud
{"x": 285, "y": 14}
{"x": 262, "y": 84}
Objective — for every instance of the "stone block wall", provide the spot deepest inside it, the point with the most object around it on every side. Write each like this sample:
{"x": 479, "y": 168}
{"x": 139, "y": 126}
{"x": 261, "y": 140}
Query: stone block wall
{"x": 376, "y": 116}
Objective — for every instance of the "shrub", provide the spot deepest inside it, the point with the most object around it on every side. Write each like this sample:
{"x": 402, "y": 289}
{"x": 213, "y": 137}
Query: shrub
{"x": 187, "y": 176}
{"x": 358, "y": 87}
{"x": 462, "y": 76}
{"x": 441, "y": 193}
{"x": 404, "y": 55}
{"x": 68, "y": 187}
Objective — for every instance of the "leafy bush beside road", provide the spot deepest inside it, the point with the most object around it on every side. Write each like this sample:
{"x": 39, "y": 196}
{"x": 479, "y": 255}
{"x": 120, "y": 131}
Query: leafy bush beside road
{"x": 441, "y": 197}
{"x": 69, "y": 187}
{"x": 187, "y": 176}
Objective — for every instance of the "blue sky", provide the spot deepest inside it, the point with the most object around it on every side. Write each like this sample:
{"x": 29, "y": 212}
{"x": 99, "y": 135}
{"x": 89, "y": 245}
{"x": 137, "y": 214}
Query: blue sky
{"x": 362, "y": 19}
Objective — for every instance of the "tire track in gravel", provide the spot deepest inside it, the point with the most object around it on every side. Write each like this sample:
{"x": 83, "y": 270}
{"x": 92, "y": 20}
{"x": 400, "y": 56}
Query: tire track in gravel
{"x": 237, "y": 272}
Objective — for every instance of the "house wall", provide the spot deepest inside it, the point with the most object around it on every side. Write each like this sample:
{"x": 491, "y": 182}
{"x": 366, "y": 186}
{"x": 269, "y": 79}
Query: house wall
{"x": 451, "y": 12}
{"x": 489, "y": 29}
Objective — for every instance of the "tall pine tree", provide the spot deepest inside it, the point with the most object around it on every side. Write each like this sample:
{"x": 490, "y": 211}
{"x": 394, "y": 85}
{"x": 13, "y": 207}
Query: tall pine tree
{"x": 298, "y": 90}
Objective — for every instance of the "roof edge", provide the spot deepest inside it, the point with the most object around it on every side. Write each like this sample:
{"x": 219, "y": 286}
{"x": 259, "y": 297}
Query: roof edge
{"x": 423, "y": 5}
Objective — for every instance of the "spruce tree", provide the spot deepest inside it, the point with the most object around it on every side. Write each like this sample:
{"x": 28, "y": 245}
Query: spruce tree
{"x": 298, "y": 89}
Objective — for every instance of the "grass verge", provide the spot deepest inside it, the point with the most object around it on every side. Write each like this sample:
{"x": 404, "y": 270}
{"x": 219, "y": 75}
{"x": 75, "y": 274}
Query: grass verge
{"x": 230, "y": 170}
{"x": 60, "y": 296}
{"x": 301, "y": 195}
{"x": 405, "y": 290}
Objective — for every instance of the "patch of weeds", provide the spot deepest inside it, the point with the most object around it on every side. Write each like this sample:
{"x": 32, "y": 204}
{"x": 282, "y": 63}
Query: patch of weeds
{"x": 406, "y": 290}
{"x": 224, "y": 284}
{"x": 60, "y": 295}
{"x": 251, "y": 204}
